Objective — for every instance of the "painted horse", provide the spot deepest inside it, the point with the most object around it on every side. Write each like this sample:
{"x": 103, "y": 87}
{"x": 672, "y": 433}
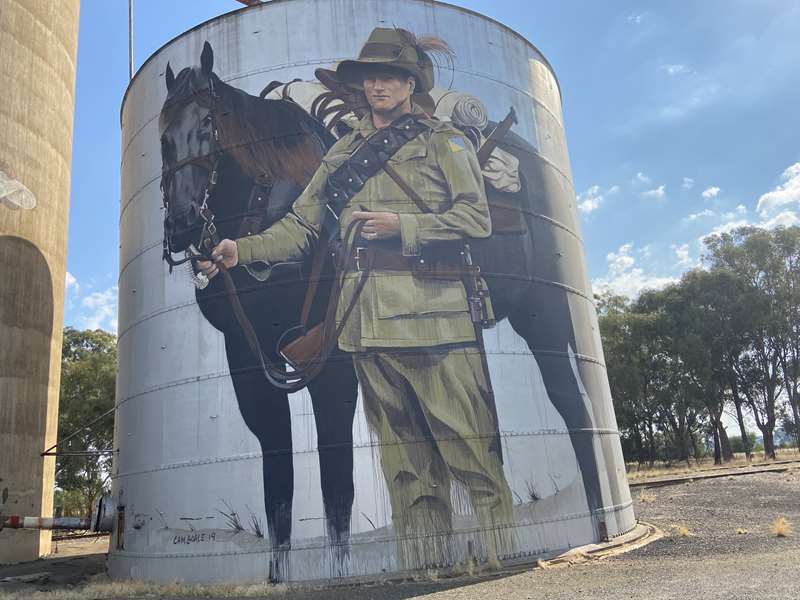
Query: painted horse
{"x": 244, "y": 160}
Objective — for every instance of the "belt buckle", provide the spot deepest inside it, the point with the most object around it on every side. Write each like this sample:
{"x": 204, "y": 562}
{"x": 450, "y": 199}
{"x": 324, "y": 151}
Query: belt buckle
{"x": 358, "y": 258}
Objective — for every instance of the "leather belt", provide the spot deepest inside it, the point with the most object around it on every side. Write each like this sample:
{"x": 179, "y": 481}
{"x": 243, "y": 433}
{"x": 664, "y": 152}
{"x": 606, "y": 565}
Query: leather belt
{"x": 377, "y": 258}
{"x": 382, "y": 259}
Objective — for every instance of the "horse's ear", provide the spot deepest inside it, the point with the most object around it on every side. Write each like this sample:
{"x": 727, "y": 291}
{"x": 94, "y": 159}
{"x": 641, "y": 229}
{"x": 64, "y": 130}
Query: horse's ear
{"x": 170, "y": 77}
{"x": 207, "y": 59}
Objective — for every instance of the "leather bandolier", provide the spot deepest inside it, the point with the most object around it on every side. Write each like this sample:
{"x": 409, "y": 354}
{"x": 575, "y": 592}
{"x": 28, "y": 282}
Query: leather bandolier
{"x": 368, "y": 160}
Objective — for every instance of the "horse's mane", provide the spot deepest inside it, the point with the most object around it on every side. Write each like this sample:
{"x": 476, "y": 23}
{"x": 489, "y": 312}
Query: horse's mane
{"x": 269, "y": 139}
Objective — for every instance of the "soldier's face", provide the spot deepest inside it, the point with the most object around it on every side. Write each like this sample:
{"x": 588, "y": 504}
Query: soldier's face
{"x": 386, "y": 92}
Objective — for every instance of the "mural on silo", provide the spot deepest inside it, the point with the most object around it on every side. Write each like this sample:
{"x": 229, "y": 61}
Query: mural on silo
{"x": 359, "y": 236}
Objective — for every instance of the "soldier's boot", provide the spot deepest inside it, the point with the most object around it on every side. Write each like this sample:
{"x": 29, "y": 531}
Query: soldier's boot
{"x": 496, "y": 522}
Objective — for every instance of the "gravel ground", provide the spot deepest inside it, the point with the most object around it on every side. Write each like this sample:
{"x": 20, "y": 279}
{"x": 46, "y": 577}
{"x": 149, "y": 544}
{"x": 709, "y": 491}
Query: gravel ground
{"x": 719, "y": 545}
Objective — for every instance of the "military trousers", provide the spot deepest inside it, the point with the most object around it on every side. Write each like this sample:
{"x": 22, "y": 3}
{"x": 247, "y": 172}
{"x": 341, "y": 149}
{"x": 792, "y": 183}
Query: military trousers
{"x": 430, "y": 410}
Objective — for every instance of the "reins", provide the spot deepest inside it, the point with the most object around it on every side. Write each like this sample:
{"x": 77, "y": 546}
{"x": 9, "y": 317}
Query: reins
{"x": 297, "y": 379}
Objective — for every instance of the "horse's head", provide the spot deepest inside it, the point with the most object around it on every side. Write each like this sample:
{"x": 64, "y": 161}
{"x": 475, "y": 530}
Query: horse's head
{"x": 189, "y": 151}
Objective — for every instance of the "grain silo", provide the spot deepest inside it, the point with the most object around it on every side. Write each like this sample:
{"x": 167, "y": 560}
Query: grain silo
{"x": 38, "y": 46}
{"x": 222, "y": 477}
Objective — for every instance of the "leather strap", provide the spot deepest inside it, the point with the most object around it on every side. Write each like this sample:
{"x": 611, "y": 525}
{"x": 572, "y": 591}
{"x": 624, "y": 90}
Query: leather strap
{"x": 368, "y": 159}
{"x": 348, "y": 180}
{"x": 407, "y": 189}
{"x": 317, "y": 265}
{"x": 391, "y": 259}
{"x": 298, "y": 379}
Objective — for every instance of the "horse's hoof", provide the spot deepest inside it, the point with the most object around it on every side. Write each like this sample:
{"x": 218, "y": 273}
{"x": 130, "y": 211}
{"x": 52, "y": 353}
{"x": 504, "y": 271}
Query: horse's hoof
{"x": 279, "y": 565}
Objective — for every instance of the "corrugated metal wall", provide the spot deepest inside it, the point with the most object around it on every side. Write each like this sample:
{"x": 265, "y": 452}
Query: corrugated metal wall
{"x": 186, "y": 454}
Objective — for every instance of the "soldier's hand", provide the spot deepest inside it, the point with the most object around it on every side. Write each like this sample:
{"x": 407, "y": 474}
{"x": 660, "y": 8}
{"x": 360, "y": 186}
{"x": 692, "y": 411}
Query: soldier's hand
{"x": 226, "y": 252}
{"x": 378, "y": 225}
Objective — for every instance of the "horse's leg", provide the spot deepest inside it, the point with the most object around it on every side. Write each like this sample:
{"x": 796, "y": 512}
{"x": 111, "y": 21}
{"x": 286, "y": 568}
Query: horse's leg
{"x": 265, "y": 410}
{"x": 333, "y": 394}
{"x": 546, "y": 324}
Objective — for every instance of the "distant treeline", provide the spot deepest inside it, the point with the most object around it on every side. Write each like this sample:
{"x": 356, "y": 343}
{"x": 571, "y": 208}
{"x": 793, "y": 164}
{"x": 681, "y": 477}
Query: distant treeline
{"x": 726, "y": 337}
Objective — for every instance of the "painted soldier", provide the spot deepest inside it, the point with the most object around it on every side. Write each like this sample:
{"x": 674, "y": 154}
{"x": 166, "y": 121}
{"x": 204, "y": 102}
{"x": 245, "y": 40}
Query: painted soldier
{"x": 424, "y": 385}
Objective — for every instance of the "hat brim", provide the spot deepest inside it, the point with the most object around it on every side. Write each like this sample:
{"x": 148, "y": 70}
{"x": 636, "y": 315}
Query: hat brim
{"x": 352, "y": 72}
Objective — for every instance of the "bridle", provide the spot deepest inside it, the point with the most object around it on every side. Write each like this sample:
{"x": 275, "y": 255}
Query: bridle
{"x": 208, "y": 238}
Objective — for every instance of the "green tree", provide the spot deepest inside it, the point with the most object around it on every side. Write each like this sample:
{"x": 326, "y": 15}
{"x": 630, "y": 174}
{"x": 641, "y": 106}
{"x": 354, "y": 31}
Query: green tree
{"x": 763, "y": 260}
{"x": 677, "y": 396}
{"x": 787, "y": 246}
{"x": 88, "y": 381}
{"x": 738, "y": 445}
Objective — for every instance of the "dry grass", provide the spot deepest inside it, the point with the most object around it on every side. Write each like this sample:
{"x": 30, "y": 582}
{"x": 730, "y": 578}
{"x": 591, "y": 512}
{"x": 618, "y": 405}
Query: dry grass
{"x": 741, "y": 531}
{"x": 646, "y": 496}
{"x": 683, "y": 531}
{"x": 636, "y": 473}
{"x": 106, "y": 589}
{"x": 781, "y": 527}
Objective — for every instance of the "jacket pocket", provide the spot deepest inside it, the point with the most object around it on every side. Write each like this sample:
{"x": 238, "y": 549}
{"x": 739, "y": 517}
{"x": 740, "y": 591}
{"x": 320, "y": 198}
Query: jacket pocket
{"x": 411, "y": 150}
{"x": 401, "y": 295}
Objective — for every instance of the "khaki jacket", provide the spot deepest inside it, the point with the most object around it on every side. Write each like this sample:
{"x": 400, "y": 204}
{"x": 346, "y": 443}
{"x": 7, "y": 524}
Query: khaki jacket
{"x": 395, "y": 309}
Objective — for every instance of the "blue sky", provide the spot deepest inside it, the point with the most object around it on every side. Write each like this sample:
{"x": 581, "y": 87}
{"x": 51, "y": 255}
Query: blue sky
{"x": 681, "y": 120}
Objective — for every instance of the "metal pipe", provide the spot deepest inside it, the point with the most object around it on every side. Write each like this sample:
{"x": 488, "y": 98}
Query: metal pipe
{"x": 130, "y": 40}
{"x": 80, "y": 453}
{"x": 49, "y": 451}
{"x": 16, "y": 522}
{"x": 101, "y": 520}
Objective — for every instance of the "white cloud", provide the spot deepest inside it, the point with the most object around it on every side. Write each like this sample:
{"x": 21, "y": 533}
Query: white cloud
{"x": 635, "y": 19}
{"x": 689, "y": 101}
{"x": 774, "y": 208}
{"x": 703, "y": 213}
{"x": 711, "y": 192}
{"x": 102, "y": 310}
{"x": 688, "y": 183}
{"x": 641, "y": 178}
{"x": 71, "y": 284}
{"x": 787, "y": 218}
{"x": 674, "y": 70}
{"x": 736, "y": 213}
{"x": 784, "y": 195}
{"x": 656, "y": 193}
{"x": 593, "y": 198}
{"x": 72, "y": 290}
{"x": 624, "y": 277}
{"x": 590, "y": 200}
{"x": 726, "y": 227}
{"x": 682, "y": 252}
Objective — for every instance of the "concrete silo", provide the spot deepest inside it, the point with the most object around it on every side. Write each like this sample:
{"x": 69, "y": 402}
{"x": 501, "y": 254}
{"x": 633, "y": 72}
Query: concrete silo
{"x": 38, "y": 45}
{"x": 197, "y": 478}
